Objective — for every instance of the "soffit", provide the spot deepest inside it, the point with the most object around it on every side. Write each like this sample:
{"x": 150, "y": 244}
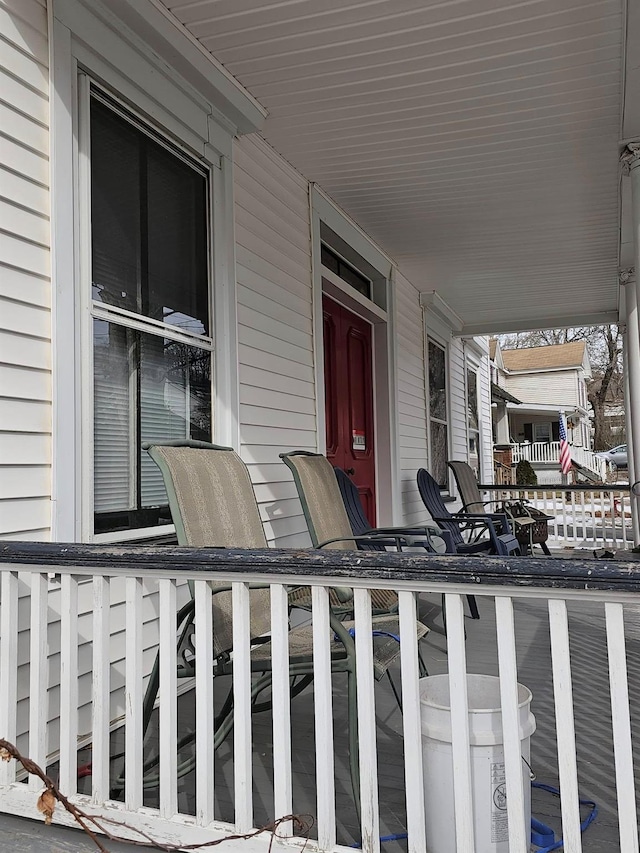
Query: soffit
{"x": 476, "y": 141}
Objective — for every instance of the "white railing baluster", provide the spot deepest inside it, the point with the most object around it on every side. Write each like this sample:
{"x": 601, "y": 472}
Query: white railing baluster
{"x": 38, "y": 675}
{"x": 603, "y": 520}
{"x": 411, "y": 725}
{"x": 69, "y": 684}
{"x": 205, "y": 711}
{"x": 101, "y": 681}
{"x": 518, "y": 831}
{"x": 591, "y": 519}
{"x": 565, "y": 535}
{"x": 282, "y": 790}
{"x": 242, "y": 758}
{"x": 563, "y": 700}
{"x": 168, "y": 712}
{"x": 323, "y": 719}
{"x": 8, "y": 668}
{"x": 621, "y": 724}
{"x": 367, "y": 747}
{"x": 614, "y": 514}
{"x": 462, "y": 788}
{"x": 574, "y": 526}
{"x": 133, "y": 694}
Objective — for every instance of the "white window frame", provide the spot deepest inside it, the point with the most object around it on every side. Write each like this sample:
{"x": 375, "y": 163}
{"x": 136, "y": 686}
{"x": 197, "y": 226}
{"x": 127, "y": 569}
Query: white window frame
{"x": 101, "y": 46}
{"x": 536, "y": 426}
{"x": 435, "y": 339}
{"x": 470, "y": 367}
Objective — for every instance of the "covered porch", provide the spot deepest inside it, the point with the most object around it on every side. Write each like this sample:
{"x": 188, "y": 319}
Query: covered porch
{"x": 463, "y": 158}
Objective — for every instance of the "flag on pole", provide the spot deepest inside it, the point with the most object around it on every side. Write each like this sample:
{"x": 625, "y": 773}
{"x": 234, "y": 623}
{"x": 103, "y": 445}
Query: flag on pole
{"x": 565, "y": 452}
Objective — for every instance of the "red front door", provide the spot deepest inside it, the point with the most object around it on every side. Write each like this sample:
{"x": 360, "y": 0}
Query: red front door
{"x": 348, "y": 386}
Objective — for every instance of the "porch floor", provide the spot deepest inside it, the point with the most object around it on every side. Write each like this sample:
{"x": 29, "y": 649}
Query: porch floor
{"x": 593, "y": 730}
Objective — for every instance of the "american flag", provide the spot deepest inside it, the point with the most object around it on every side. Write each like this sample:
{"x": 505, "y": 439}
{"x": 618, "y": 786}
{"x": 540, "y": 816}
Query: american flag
{"x": 565, "y": 452}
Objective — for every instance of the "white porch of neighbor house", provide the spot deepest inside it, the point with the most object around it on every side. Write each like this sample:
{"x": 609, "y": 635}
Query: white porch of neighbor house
{"x": 472, "y": 149}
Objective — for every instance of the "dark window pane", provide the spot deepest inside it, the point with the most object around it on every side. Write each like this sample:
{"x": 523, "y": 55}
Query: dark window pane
{"x": 472, "y": 398}
{"x": 346, "y": 272}
{"x": 176, "y": 243}
{"x": 146, "y": 388}
{"x": 329, "y": 260}
{"x": 148, "y": 221}
{"x": 362, "y": 285}
{"x": 439, "y": 445}
{"x": 115, "y": 209}
{"x": 437, "y": 382}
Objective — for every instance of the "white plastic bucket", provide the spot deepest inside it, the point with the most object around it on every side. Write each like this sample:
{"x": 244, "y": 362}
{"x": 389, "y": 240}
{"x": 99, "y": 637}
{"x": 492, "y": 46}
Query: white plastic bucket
{"x": 487, "y": 762}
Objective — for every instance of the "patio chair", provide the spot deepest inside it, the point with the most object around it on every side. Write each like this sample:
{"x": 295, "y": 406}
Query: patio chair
{"x": 503, "y": 543}
{"x": 327, "y": 519}
{"x": 430, "y": 537}
{"x": 524, "y": 525}
{"x": 438, "y": 540}
{"x": 213, "y": 504}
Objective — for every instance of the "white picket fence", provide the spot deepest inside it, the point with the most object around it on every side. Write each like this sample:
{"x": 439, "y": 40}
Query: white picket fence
{"x": 581, "y": 516}
{"x": 35, "y": 617}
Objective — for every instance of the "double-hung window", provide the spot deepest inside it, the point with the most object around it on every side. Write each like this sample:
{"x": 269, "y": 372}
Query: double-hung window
{"x": 473, "y": 421}
{"x": 438, "y": 413}
{"x": 150, "y": 307}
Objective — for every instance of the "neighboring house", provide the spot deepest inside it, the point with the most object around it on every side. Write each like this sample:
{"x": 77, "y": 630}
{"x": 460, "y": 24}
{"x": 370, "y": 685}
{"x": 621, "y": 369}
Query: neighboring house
{"x": 541, "y": 382}
{"x": 547, "y": 380}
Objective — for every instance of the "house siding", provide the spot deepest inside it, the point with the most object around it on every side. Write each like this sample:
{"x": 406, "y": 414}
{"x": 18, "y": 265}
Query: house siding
{"x": 554, "y": 387}
{"x": 25, "y": 292}
{"x": 275, "y": 331}
{"x": 412, "y": 411}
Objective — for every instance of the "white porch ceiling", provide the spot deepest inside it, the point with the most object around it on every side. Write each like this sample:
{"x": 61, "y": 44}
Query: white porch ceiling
{"x": 476, "y": 141}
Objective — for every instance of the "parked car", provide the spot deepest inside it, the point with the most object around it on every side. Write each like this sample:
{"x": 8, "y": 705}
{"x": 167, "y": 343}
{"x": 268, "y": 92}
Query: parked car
{"x": 617, "y": 455}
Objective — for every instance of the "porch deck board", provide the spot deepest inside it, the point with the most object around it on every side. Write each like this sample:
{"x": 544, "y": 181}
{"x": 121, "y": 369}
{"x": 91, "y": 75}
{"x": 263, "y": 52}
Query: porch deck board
{"x": 591, "y": 706}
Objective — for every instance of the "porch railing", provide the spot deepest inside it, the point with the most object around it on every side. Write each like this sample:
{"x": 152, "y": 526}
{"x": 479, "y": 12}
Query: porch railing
{"x": 581, "y": 516}
{"x": 549, "y": 452}
{"x": 79, "y": 627}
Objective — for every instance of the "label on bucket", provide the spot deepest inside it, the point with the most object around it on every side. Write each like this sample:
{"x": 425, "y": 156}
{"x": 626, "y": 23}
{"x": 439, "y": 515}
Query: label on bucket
{"x": 499, "y": 826}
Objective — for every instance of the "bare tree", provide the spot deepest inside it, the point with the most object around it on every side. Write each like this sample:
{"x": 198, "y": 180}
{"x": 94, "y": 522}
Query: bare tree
{"x": 604, "y": 345}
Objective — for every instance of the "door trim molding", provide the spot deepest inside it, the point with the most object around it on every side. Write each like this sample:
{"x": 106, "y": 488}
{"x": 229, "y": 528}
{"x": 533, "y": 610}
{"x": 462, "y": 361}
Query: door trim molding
{"x": 388, "y": 496}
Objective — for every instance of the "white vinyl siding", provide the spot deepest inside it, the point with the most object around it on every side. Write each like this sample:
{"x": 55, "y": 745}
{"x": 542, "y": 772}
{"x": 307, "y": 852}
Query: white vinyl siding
{"x": 25, "y": 293}
{"x": 275, "y": 335}
{"x": 412, "y": 411}
{"x": 557, "y": 387}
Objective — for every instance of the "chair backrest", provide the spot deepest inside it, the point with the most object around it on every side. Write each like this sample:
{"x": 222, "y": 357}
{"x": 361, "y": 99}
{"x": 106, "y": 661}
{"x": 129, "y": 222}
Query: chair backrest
{"x": 320, "y": 498}
{"x": 432, "y": 499}
{"x": 210, "y": 495}
{"x": 213, "y": 505}
{"x": 467, "y": 486}
{"x": 354, "y": 509}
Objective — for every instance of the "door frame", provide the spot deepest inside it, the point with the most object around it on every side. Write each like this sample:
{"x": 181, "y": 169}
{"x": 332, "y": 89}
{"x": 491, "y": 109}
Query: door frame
{"x": 353, "y": 244}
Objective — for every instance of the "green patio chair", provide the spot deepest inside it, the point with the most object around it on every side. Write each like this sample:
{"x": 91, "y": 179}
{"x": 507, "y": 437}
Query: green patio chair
{"x": 213, "y": 504}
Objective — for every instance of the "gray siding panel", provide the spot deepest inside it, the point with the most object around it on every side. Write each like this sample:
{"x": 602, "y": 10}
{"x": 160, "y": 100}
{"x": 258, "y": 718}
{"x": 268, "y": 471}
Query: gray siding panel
{"x": 412, "y": 411}
{"x": 25, "y": 292}
{"x": 275, "y": 333}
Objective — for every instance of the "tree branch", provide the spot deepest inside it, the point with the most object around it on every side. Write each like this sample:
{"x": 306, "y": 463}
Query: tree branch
{"x": 91, "y": 824}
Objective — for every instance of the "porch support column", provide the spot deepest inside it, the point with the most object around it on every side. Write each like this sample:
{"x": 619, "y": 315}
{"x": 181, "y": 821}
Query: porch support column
{"x": 631, "y": 160}
{"x": 502, "y": 424}
{"x": 631, "y": 461}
